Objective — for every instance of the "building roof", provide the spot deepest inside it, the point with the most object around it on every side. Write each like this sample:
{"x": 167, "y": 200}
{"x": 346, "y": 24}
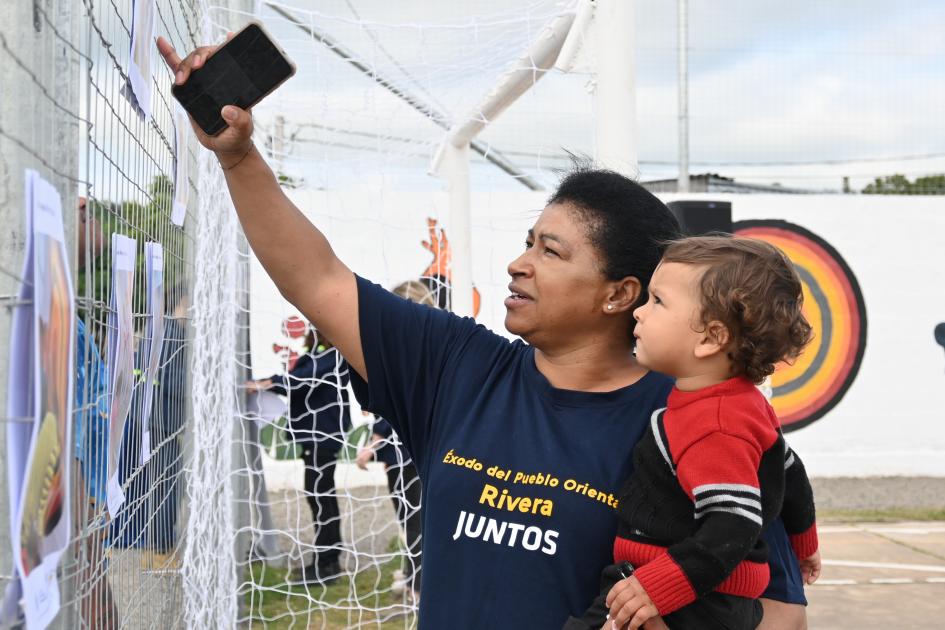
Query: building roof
{"x": 714, "y": 183}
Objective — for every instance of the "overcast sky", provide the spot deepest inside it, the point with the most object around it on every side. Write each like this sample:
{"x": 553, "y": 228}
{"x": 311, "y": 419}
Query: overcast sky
{"x": 799, "y": 93}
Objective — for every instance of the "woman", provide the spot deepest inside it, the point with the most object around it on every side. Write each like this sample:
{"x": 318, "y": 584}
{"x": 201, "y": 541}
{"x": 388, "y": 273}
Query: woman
{"x": 520, "y": 448}
{"x": 319, "y": 415}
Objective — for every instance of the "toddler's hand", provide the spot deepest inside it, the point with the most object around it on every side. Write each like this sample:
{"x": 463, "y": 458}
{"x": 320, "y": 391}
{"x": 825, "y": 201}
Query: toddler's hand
{"x": 810, "y": 568}
{"x": 630, "y": 606}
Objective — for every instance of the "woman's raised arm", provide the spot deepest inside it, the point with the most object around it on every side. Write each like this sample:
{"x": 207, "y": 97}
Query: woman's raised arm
{"x": 295, "y": 254}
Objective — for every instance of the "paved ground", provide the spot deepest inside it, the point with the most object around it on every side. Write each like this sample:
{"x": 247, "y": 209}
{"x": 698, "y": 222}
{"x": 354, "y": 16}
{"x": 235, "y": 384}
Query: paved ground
{"x": 889, "y": 575}
{"x": 876, "y": 575}
{"x": 880, "y": 576}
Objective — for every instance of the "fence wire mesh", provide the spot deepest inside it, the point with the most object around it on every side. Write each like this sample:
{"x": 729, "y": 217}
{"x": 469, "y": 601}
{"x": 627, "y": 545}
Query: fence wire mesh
{"x": 311, "y": 539}
{"x": 115, "y": 172}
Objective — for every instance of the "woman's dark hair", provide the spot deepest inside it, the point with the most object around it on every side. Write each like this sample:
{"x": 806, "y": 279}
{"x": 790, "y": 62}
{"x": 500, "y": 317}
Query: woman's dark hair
{"x": 627, "y": 224}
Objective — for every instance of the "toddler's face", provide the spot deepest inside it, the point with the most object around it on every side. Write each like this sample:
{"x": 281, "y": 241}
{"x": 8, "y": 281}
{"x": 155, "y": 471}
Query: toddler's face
{"x": 667, "y": 324}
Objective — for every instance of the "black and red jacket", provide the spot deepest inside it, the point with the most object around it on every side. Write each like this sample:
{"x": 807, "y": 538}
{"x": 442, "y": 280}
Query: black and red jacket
{"x": 711, "y": 472}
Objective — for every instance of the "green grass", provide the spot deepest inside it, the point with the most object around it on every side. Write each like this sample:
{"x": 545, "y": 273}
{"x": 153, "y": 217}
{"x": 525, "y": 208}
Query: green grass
{"x": 276, "y": 441}
{"x": 275, "y": 435}
{"x": 883, "y": 516}
{"x": 275, "y": 605}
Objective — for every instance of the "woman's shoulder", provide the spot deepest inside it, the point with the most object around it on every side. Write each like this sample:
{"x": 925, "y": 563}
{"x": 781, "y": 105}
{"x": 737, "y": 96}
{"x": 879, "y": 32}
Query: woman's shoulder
{"x": 650, "y": 393}
{"x": 479, "y": 350}
{"x": 387, "y": 305}
{"x": 660, "y": 383}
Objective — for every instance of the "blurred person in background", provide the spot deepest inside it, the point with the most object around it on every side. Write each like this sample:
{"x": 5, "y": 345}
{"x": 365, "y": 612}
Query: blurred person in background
{"x": 167, "y": 423}
{"x": 319, "y": 415}
{"x": 402, "y": 478}
{"x": 96, "y": 605}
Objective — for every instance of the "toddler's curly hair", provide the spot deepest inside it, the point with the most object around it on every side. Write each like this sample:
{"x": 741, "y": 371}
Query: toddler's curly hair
{"x": 753, "y": 289}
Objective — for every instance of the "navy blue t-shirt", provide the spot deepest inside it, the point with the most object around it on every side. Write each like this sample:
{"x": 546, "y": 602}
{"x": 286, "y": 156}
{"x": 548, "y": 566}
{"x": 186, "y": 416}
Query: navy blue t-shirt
{"x": 389, "y": 450}
{"x": 519, "y": 478}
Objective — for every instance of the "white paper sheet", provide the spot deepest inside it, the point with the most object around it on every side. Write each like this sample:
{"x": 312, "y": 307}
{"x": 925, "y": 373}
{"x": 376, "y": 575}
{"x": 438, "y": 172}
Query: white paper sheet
{"x": 42, "y": 347}
{"x": 120, "y": 360}
{"x": 264, "y": 407}
{"x": 181, "y": 160}
{"x": 138, "y": 90}
{"x": 154, "y": 276}
{"x": 20, "y": 408}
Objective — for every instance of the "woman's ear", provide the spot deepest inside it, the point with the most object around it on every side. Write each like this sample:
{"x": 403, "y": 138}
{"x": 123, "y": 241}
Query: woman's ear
{"x": 715, "y": 337}
{"x": 623, "y": 295}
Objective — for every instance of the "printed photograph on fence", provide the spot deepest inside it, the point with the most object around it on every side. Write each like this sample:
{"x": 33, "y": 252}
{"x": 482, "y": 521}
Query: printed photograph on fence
{"x": 44, "y": 517}
{"x": 120, "y": 359}
{"x": 181, "y": 160}
{"x": 138, "y": 89}
{"x": 154, "y": 276}
{"x": 20, "y": 406}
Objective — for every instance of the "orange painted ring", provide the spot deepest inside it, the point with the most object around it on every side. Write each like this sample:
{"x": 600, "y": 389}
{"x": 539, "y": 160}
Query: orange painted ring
{"x": 806, "y": 391}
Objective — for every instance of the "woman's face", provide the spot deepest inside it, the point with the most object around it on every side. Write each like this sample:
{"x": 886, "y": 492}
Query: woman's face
{"x": 558, "y": 288}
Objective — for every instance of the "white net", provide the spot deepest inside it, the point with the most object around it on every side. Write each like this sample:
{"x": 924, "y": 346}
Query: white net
{"x": 127, "y": 556}
{"x": 336, "y": 540}
{"x": 378, "y": 84}
{"x": 208, "y": 569}
{"x": 131, "y": 448}
{"x": 261, "y": 515}
{"x": 352, "y": 137}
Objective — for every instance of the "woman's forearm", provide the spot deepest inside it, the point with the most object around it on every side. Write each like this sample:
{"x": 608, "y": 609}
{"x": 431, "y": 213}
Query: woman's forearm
{"x": 296, "y": 255}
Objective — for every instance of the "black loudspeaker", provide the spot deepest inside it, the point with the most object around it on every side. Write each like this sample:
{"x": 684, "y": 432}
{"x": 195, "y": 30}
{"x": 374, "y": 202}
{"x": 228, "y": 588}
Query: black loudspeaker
{"x": 702, "y": 217}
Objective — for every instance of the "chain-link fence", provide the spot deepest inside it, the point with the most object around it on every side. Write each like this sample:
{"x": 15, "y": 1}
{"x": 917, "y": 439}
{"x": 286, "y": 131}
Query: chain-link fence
{"x": 70, "y": 113}
{"x": 197, "y": 539}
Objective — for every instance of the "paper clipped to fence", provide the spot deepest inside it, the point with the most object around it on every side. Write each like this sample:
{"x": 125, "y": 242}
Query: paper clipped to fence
{"x": 138, "y": 88}
{"x": 181, "y": 161}
{"x": 120, "y": 360}
{"x": 39, "y": 444}
{"x": 154, "y": 277}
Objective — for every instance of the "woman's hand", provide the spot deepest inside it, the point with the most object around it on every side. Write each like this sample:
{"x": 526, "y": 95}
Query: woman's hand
{"x": 234, "y": 142}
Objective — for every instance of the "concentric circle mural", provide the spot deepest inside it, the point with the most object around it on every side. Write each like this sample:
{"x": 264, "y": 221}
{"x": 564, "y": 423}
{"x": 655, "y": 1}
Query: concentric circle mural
{"x": 833, "y": 304}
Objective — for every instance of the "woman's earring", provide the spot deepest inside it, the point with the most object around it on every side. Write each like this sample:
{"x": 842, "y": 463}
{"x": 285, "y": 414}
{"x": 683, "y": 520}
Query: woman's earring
{"x": 610, "y": 307}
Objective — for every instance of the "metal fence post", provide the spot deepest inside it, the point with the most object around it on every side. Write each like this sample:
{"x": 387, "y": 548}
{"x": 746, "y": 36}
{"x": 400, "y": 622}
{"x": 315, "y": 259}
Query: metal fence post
{"x": 39, "y": 124}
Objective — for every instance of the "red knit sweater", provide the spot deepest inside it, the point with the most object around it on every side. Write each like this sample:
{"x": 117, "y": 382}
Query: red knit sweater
{"x": 710, "y": 474}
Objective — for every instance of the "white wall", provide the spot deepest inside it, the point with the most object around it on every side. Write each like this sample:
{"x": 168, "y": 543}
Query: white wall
{"x": 892, "y": 419}
{"x": 890, "y": 422}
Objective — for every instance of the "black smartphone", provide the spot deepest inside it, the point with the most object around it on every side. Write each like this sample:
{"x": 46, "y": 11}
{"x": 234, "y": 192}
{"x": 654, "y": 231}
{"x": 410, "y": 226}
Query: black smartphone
{"x": 241, "y": 73}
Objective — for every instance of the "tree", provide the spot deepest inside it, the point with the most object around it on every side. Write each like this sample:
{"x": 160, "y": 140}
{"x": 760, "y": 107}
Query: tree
{"x": 900, "y": 185}
{"x": 143, "y": 222}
